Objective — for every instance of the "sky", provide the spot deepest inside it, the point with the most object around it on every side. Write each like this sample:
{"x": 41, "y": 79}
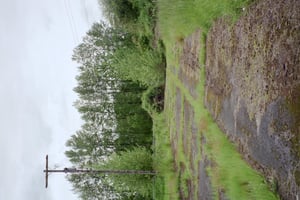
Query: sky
{"x": 37, "y": 76}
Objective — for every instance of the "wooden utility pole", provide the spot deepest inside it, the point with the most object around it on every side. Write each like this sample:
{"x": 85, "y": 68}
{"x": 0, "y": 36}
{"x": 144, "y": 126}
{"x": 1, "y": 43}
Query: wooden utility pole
{"x": 79, "y": 171}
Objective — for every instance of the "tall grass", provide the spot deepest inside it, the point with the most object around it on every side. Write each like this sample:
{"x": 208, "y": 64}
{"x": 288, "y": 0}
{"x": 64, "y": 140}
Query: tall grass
{"x": 163, "y": 161}
{"x": 185, "y": 16}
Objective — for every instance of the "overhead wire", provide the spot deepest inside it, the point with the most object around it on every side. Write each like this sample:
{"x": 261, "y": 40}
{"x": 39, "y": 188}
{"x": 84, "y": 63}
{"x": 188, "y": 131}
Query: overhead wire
{"x": 86, "y": 13}
{"x": 71, "y": 21}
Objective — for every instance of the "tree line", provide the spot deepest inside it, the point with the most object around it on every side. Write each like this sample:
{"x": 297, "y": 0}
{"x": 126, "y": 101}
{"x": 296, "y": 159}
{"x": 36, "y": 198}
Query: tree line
{"x": 118, "y": 65}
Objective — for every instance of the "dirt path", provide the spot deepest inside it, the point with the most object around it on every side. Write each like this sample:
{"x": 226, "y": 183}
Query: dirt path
{"x": 185, "y": 142}
{"x": 253, "y": 88}
{"x": 252, "y": 83}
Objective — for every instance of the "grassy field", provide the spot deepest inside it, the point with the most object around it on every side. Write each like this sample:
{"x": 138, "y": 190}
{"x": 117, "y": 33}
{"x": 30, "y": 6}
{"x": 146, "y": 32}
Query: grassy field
{"x": 186, "y": 120}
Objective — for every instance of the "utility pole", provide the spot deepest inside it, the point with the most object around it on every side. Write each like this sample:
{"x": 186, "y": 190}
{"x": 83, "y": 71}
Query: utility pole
{"x": 79, "y": 171}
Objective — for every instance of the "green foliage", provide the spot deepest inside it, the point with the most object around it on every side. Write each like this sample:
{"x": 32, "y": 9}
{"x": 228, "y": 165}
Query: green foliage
{"x": 110, "y": 108}
{"x": 134, "y": 125}
{"x": 142, "y": 66}
{"x": 117, "y": 64}
{"x": 136, "y": 16}
{"x": 139, "y": 158}
{"x": 179, "y": 18}
{"x": 120, "y": 11}
{"x": 98, "y": 46}
{"x": 163, "y": 159}
{"x": 93, "y": 187}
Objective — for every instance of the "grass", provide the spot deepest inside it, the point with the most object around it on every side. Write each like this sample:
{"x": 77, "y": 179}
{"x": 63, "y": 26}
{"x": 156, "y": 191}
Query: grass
{"x": 163, "y": 160}
{"x": 185, "y": 16}
{"x": 229, "y": 172}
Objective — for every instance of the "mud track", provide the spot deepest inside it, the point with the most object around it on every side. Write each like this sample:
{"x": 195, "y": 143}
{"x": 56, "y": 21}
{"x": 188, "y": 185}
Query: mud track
{"x": 253, "y": 93}
{"x": 253, "y": 88}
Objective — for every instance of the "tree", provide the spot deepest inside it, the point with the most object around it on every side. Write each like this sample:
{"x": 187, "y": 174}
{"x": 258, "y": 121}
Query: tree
{"x": 120, "y": 12}
{"x": 110, "y": 106}
{"x": 142, "y": 66}
{"x": 99, "y": 44}
{"x": 93, "y": 187}
{"x": 139, "y": 158}
{"x": 87, "y": 146}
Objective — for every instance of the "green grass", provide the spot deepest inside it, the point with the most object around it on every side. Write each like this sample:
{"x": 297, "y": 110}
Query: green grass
{"x": 145, "y": 21}
{"x": 185, "y": 16}
{"x": 230, "y": 173}
{"x": 163, "y": 160}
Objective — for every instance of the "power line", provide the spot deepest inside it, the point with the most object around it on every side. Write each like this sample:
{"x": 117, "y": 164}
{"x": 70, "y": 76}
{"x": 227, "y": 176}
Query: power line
{"x": 71, "y": 22}
{"x": 86, "y": 12}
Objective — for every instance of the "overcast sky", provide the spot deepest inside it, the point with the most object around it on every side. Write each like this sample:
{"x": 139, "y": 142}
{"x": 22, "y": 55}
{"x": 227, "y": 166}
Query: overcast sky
{"x": 36, "y": 81}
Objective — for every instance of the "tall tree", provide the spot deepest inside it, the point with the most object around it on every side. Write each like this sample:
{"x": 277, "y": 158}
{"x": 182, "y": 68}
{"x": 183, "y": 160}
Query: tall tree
{"x": 111, "y": 109}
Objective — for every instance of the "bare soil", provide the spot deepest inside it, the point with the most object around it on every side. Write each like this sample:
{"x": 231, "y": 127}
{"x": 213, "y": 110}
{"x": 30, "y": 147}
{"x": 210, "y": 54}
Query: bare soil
{"x": 253, "y": 88}
{"x": 189, "y": 62}
{"x": 253, "y": 92}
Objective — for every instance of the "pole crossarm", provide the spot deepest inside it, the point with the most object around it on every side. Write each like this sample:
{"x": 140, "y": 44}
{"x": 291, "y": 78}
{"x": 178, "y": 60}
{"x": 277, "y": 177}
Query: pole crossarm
{"x": 78, "y": 171}
{"x": 46, "y": 172}
{"x": 104, "y": 171}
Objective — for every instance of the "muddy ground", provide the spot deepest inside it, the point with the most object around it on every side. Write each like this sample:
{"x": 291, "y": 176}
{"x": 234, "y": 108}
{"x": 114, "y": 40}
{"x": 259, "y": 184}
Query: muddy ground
{"x": 253, "y": 92}
{"x": 187, "y": 140}
{"x": 253, "y": 88}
